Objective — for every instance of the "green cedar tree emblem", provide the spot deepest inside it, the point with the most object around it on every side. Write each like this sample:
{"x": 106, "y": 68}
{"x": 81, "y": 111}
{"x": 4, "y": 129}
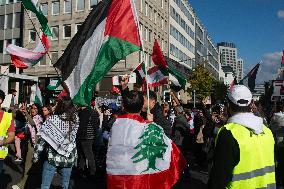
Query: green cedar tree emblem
{"x": 151, "y": 147}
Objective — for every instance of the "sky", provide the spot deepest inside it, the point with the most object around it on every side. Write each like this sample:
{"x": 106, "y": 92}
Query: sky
{"x": 255, "y": 26}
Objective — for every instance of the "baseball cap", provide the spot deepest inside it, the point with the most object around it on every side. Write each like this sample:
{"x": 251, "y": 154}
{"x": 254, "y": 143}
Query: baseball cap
{"x": 240, "y": 95}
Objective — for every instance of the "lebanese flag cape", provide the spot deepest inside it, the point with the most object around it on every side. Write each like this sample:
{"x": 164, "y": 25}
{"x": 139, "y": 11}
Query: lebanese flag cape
{"x": 24, "y": 58}
{"x": 109, "y": 34}
{"x": 141, "y": 156}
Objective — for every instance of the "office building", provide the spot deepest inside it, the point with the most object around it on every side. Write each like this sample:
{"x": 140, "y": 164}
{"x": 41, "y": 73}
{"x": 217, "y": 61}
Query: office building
{"x": 229, "y": 57}
{"x": 10, "y": 33}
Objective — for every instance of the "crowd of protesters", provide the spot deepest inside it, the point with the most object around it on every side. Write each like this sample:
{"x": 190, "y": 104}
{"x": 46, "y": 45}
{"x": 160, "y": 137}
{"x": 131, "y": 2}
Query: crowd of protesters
{"x": 193, "y": 129}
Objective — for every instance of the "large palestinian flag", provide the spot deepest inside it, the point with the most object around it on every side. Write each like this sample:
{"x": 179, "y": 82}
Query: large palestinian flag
{"x": 109, "y": 34}
{"x": 141, "y": 156}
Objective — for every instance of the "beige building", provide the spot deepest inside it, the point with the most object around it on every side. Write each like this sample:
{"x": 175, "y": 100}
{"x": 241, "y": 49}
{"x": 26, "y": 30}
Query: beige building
{"x": 66, "y": 16}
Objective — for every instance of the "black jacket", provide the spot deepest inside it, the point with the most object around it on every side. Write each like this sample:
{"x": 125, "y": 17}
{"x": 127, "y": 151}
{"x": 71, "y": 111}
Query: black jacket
{"x": 180, "y": 130}
{"x": 89, "y": 124}
{"x": 226, "y": 157}
{"x": 160, "y": 119}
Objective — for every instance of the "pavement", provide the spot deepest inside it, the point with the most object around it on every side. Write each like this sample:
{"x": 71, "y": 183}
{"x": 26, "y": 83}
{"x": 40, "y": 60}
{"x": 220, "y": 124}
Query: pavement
{"x": 12, "y": 175}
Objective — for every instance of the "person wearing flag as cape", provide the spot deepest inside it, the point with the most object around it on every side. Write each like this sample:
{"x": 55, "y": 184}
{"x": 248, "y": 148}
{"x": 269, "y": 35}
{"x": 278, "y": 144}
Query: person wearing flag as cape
{"x": 147, "y": 157}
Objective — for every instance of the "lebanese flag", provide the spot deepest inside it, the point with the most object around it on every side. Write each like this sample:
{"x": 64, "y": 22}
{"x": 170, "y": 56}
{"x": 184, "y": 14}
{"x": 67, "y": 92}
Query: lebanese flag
{"x": 141, "y": 156}
{"x": 157, "y": 76}
{"x": 109, "y": 34}
{"x": 24, "y": 58}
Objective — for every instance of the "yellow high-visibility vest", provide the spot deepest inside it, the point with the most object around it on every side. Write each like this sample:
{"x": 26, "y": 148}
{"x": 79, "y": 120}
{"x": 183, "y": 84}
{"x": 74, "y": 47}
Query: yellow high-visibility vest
{"x": 4, "y": 126}
{"x": 256, "y": 168}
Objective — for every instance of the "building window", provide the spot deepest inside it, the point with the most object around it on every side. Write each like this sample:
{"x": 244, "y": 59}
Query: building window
{"x": 17, "y": 42}
{"x": 17, "y": 21}
{"x": 55, "y": 32}
{"x": 150, "y": 35}
{"x": 141, "y": 6}
{"x": 9, "y": 23}
{"x": 162, "y": 4}
{"x": 78, "y": 26}
{"x": 32, "y": 36}
{"x": 66, "y": 31}
{"x": 2, "y": 22}
{"x": 44, "y": 9}
{"x": 141, "y": 30}
{"x": 55, "y": 8}
{"x": 146, "y": 33}
{"x": 1, "y": 46}
{"x": 93, "y": 3}
{"x": 67, "y": 6}
{"x": 54, "y": 57}
{"x": 80, "y": 5}
{"x": 146, "y": 9}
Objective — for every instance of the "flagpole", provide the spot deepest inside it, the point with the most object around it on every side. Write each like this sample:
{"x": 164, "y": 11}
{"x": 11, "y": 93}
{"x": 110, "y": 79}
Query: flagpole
{"x": 26, "y": 11}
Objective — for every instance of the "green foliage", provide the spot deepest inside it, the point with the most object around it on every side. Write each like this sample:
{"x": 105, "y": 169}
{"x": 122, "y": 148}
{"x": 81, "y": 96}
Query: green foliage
{"x": 151, "y": 147}
{"x": 201, "y": 81}
{"x": 219, "y": 91}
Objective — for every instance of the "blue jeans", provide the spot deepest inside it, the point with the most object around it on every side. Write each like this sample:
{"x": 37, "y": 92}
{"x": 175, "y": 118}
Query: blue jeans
{"x": 48, "y": 173}
{"x": 1, "y": 166}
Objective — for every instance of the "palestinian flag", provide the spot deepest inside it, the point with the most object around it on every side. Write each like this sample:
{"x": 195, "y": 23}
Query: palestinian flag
{"x": 159, "y": 59}
{"x": 282, "y": 59}
{"x": 32, "y": 5}
{"x": 108, "y": 35}
{"x": 24, "y": 58}
{"x": 54, "y": 84}
{"x": 157, "y": 76}
{"x": 249, "y": 79}
{"x": 38, "y": 97}
{"x": 148, "y": 159}
{"x": 140, "y": 73}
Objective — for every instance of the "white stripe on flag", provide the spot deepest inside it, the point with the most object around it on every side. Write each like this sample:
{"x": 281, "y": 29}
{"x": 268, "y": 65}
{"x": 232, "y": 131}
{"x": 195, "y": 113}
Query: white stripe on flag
{"x": 86, "y": 60}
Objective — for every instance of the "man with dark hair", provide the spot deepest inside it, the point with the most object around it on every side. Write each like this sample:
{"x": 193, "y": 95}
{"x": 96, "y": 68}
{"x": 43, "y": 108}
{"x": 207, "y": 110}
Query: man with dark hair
{"x": 244, "y": 152}
{"x": 157, "y": 111}
{"x": 7, "y": 132}
{"x": 154, "y": 106}
{"x": 133, "y": 102}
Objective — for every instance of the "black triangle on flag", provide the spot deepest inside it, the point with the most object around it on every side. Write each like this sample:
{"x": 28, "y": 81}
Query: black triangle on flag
{"x": 251, "y": 77}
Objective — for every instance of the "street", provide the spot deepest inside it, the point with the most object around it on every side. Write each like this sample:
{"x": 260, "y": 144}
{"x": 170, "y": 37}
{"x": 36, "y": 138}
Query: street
{"x": 12, "y": 175}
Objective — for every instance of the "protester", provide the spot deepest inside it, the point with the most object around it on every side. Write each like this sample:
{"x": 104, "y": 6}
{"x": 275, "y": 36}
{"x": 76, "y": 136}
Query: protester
{"x": 7, "y": 132}
{"x": 34, "y": 122}
{"x": 277, "y": 127}
{"x": 244, "y": 152}
{"x": 47, "y": 111}
{"x": 60, "y": 149}
{"x": 86, "y": 137}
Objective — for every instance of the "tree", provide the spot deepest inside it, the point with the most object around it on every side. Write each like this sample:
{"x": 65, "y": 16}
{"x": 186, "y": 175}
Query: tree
{"x": 219, "y": 91}
{"x": 151, "y": 147}
{"x": 201, "y": 81}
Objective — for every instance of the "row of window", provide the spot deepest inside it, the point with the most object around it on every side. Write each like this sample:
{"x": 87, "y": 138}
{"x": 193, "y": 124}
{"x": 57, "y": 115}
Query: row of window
{"x": 179, "y": 37}
{"x": 153, "y": 15}
{"x": 67, "y": 6}
{"x": 185, "y": 11}
{"x": 10, "y": 21}
{"x": 5, "y": 43}
{"x": 162, "y": 3}
{"x": 3, "y": 2}
{"x": 66, "y": 32}
{"x": 181, "y": 22}
{"x": 176, "y": 52}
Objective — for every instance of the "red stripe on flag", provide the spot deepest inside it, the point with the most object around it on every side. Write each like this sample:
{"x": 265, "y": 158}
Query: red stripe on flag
{"x": 18, "y": 63}
{"x": 121, "y": 22}
{"x": 133, "y": 117}
{"x": 161, "y": 180}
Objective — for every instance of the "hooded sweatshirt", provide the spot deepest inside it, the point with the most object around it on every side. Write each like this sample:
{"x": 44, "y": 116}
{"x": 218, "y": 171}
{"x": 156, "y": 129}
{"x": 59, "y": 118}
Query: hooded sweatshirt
{"x": 227, "y": 152}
